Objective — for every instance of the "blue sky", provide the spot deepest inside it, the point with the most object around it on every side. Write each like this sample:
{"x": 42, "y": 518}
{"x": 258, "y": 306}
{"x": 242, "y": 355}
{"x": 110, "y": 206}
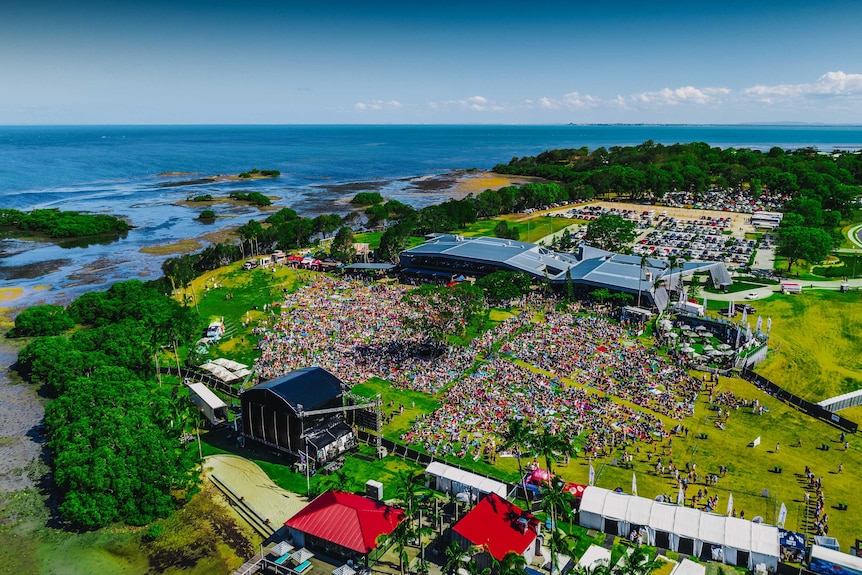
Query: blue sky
{"x": 260, "y": 61}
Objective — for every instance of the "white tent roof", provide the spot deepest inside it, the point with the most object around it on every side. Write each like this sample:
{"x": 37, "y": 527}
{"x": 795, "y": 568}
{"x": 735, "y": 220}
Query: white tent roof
{"x": 764, "y": 540}
{"x": 712, "y": 528}
{"x": 687, "y": 523}
{"x": 688, "y": 567}
{"x": 206, "y": 395}
{"x": 593, "y": 500}
{"x": 662, "y": 517}
{"x": 481, "y": 484}
{"x": 737, "y": 533}
{"x": 616, "y": 505}
{"x": 593, "y": 555}
{"x": 836, "y": 557}
{"x": 639, "y": 510}
{"x": 229, "y": 364}
{"x": 219, "y": 372}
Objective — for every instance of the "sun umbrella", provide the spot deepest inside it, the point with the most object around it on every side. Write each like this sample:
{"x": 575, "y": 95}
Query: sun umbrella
{"x": 708, "y": 347}
{"x": 687, "y": 349}
{"x": 673, "y": 335}
{"x": 723, "y": 346}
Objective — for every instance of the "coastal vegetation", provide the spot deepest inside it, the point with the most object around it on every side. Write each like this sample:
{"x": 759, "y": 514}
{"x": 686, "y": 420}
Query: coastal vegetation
{"x": 367, "y": 198}
{"x": 118, "y": 438}
{"x": 255, "y": 173}
{"x": 207, "y": 215}
{"x": 41, "y": 320}
{"x": 255, "y": 198}
{"x": 61, "y": 224}
{"x": 201, "y": 198}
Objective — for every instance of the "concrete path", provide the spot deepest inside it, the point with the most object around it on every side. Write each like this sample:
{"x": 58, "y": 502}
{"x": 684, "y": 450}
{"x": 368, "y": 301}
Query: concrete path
{"x": 766, "y": 291}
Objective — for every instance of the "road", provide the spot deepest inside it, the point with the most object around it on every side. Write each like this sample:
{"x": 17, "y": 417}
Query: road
{"x": 766, "y": 291}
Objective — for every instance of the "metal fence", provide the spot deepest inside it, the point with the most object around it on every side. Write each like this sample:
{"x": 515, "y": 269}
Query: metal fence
{"x": 811, "y": 409}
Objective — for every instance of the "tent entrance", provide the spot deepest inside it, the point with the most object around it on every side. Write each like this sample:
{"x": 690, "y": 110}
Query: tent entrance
{"x": 742, "y": 558}
{"x": 662, "y": 539}
{"x": 686, "y": 546}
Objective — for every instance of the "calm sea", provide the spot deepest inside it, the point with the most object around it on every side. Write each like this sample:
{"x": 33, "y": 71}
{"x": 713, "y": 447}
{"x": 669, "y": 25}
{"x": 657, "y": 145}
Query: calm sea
{"x": 115, "y": 169}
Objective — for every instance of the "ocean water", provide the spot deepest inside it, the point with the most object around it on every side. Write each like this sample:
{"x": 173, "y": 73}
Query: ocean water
{"x": 115, "y": 169}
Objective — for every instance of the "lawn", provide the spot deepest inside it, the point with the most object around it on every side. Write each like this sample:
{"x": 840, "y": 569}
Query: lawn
{"x": 820, "y": 354}
{"x": 816, "y": 343}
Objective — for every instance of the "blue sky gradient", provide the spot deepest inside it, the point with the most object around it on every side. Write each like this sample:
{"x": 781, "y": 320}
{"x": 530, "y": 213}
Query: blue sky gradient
{"x": 260, "y": 61}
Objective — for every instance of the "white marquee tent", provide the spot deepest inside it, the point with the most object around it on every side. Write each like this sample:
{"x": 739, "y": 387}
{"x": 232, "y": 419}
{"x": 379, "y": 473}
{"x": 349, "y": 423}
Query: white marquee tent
{"x": 689, "y": 567}
{"x": 595, "y": 555}
{"x": 452, "y": 480}
{"x": 739, "y": 542}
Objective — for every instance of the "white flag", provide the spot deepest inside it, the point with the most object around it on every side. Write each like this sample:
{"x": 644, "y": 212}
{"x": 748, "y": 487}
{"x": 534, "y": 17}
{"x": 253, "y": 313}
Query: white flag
{"x": 782, "y": 515}
{"x": 731, "y": 310}
{"x": 704, "y": 304}
{"x": 680, "y": 497}
{"x": 759, "y": 327}
{"x": 747, "y": 331}
{"x": 744, "y": 315}
{"x": 634, "y": 484}
{"x": 730, "y": 505}
{"x": 768, "y": 325}
{"x": 592, "y": 475}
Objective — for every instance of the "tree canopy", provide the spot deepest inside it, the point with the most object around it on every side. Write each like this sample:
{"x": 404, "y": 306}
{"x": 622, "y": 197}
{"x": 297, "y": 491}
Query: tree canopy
{"x": 41, "y": 320}
{"x": 610, "y": 232}
{"x": 116, "y": 437}
{"x": 65, "y": 224}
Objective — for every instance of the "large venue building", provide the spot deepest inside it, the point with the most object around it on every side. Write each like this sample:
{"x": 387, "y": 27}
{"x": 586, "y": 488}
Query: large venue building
{"x": 445, "y": 257}
{"x": 299, "y": 413}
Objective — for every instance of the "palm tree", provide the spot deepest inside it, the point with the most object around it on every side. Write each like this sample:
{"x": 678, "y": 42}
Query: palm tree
{"x": 400, "y": 538}
{"x": 558, "y": 541}
{"x": 517, "y": 436}
{"x": 454, "y": 557}
{"x": 637, "y": 562}
{"x": 548, "y": 445}
{"x": 512, "y": 564}
{"x": 555, "y": 500}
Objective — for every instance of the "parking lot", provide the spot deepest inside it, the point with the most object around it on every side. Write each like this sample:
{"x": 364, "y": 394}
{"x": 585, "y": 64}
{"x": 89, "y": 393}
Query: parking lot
{"x": 665, "y": 232}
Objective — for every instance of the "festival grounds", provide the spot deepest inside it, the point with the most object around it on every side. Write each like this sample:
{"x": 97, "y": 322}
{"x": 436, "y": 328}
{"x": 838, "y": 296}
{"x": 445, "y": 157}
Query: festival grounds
{"x": 752, "y": 477}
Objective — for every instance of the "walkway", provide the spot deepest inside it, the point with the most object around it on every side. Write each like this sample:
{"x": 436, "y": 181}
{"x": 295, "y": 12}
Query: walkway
{"x": 766, "y": 291}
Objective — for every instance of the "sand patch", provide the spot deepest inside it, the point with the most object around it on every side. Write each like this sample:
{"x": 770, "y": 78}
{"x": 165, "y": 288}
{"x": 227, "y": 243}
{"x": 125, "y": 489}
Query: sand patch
{"x": 10, "y": 293}
{"x": 479, "y": 181}
{"x": 183, "y": 246}
{"x": 257, "y": 490}
{"x": 42, "y": 288}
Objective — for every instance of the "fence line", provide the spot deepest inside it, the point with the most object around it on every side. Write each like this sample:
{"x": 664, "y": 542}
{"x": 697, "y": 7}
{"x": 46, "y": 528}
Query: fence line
{"x": 811, "y": 409}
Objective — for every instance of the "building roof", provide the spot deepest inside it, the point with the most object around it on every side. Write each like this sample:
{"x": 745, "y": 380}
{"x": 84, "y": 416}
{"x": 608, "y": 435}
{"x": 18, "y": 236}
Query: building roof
{"x": 587, "y": 266}
{"x": 350, "y": 521}
{"x": 498, "y": 526}
{"x": 207, "y": 396}
{"x": 308, "y": 388}
{"x": 461, "y": 478}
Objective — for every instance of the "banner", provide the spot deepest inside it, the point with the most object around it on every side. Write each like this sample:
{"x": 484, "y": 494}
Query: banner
{"x": 680, "y": 497}
{"x": 782, "y": 515}
{"x": 730, "y": 505}
{"x": 756, "y": 442}
{"x": 592, "y": 475}
{"x": 634, "y": 484}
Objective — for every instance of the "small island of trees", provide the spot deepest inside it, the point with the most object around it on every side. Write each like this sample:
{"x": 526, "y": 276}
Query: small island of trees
{"x": 61, "y": 225}
{"x": 256, "y": 198}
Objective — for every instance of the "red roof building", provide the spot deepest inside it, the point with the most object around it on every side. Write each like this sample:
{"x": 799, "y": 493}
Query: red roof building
{"x": 499, "y": 527}
{"x": 342, "y": 524}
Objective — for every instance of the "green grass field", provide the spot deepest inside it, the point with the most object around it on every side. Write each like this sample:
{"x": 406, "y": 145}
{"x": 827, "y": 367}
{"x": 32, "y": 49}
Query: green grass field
{"x": 815, "y": 343}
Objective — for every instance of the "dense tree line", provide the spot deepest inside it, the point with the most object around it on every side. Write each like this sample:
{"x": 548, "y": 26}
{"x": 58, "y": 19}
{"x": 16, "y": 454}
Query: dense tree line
{"x": 57, "y": 224}
{"x": 116, "y": 438}
{"x": 653, "y": 170}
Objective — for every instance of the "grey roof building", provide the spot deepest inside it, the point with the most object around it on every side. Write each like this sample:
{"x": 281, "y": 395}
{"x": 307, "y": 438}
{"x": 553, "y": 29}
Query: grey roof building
{"x": 588, "y": 268}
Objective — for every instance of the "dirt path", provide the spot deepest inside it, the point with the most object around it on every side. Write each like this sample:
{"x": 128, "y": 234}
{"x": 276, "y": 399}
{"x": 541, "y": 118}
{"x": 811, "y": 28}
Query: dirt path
{"x": 248, "y": 481}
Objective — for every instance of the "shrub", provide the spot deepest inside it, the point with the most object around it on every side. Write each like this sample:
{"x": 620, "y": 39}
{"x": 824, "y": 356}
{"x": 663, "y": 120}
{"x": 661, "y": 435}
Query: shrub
{"x": 207, "y": 215}
{"x": 367, "y": 198}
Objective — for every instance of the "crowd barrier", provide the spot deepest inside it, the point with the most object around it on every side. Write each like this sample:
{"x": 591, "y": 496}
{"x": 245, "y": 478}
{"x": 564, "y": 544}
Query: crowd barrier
{"x": 811, "y": 409}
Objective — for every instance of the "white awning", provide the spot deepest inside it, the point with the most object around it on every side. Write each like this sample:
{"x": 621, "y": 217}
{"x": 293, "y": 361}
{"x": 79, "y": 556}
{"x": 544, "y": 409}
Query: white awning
{"x": 206, "y": 395}
{"x": 595, "y": 555}
{"x": 466, "y": 479}
{"x": 687, "y": 522}
{"x": 662, "y": 517}
{"x": 639, "y": 511}
{"x": 688, "y": 567}
{"x": 593, "y": 500}
{"x": 616, "y": 505}
{"x": 737, "y": 533}
{"x": 712, "y": 528}
{"x": 764, "y": 540}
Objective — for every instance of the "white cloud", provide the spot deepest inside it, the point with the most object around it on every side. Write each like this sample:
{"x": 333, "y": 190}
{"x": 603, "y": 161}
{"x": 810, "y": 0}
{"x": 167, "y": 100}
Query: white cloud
{"x": 377, "y": 105}
{"x": 473, "y": 103}
{"x": 570, "y": 101}
{"x": 682, "y": 95}
{"x": 837, "y": 84}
